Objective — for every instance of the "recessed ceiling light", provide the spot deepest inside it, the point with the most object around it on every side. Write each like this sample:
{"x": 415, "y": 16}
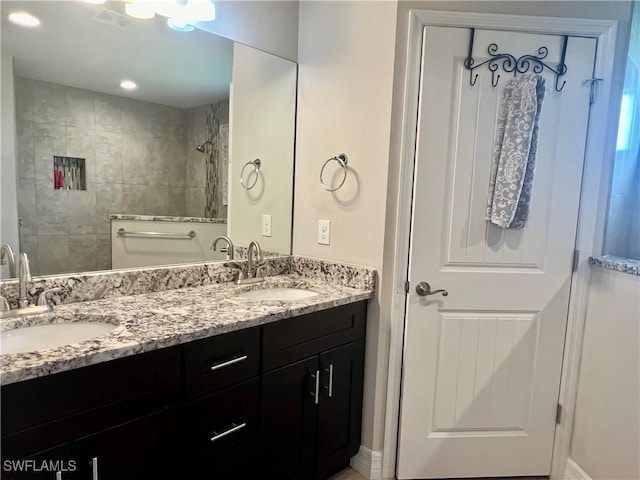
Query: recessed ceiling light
{"x": 24, "y": 19}
{"x": 96, "y": 2}
{"x": 128, "y": 84}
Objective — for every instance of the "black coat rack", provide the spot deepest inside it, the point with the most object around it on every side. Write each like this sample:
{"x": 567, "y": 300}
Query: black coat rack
{"x": 511, "y": 64}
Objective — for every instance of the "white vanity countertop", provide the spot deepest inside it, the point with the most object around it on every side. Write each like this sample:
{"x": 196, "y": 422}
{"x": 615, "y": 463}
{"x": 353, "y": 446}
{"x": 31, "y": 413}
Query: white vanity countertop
{"x": 156, "y": 320}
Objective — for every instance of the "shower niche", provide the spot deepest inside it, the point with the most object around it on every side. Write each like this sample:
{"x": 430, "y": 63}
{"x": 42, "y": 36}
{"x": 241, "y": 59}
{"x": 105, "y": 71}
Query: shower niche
{"x": 69, "y": 173}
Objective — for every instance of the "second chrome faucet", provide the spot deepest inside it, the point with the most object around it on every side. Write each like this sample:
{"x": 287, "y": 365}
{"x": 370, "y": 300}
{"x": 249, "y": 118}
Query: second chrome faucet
{"x": 254, "y": 256}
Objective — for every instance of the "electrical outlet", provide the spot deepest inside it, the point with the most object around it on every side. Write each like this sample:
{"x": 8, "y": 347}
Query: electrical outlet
{"x": 266, "y": 225}
{"x": 324, "y": 232}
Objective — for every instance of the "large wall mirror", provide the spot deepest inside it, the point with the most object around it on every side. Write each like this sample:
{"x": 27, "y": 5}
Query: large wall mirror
{"x": 166, "y": 157}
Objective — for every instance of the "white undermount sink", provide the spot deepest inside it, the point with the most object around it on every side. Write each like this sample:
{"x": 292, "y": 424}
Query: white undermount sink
{"x": 51, "y": 335}
{"x": 277, "y": 294}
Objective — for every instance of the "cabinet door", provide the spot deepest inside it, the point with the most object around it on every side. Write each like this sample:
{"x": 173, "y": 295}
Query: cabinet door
{"x": 339, "y": 408}
{"x": 144, "y": 448}
{"x": 288, "y": 421}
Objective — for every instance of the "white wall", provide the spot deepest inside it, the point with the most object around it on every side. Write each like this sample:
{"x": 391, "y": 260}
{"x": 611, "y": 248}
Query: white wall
{"x": 345, "y": 57}
{"x": 270, "y": 25}
{"x": 8, "y": 165}
{"x": 262, "y": 108}
{"x": 351, "y": 85}
{"x": 606, "y": 431}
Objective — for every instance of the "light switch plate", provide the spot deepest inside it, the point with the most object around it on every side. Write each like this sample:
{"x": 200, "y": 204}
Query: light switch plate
{"x": 266, "y": 225}
{"x": 324, "y": 232}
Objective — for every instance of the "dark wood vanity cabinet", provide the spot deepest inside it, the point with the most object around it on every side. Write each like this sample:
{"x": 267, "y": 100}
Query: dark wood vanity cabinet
{"x": 312, "y": 406}
{"x": 242, "y": 405}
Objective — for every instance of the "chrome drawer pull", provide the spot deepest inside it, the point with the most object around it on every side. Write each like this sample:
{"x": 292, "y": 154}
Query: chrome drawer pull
{"x": 233, "y": 361}
{"x": 330, "y": 386}
{"x": 315, "y": 393}
{"x": 94, "y": 468}
{"x": 234, "y": 428}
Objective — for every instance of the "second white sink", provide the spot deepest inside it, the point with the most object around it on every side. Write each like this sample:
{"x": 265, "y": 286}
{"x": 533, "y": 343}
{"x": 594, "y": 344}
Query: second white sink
{"x": 40, "y": 337}
{"x": 277, "y": 294}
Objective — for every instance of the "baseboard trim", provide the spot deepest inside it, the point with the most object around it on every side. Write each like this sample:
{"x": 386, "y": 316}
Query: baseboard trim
{"x": 574, "y": 472}
{"x": 368, "y": 463}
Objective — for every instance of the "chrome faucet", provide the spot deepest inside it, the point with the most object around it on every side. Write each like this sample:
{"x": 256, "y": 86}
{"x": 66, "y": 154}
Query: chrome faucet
{"x": 24, "y": 306}
{"x": 253, "y": 250}
{"x": 24, "y": 277}
{"x": 253, "y": 247}
{"x": 6, "y": 255}
{"x": 230, "y": 247}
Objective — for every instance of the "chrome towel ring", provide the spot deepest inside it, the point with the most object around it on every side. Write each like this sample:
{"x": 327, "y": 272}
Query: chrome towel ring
{"x": 342, "y": 161}
{"x": 257, "y": 163}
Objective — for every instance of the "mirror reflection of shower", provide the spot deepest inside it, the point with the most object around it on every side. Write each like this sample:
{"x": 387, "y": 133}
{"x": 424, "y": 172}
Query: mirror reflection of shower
{"x": 201, "y": 148}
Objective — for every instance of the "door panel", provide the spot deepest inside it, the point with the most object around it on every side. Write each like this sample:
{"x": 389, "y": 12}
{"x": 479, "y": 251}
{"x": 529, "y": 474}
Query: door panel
{"x": 288, "y": 421}
{"x": 482, "y": 365}
{"x": 339, "y": 414}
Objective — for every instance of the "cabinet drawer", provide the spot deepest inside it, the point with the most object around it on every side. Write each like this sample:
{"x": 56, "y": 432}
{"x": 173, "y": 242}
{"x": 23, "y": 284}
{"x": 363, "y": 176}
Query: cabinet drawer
{"x": 153, "y": 377}
{"x": 217, "y": 362}
{"x": 296, "y": 338}
{"x": 221, "y": 429}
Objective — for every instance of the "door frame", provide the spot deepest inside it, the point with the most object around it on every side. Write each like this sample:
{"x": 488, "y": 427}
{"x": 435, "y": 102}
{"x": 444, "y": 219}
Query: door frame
{"x": 600, "y": 140}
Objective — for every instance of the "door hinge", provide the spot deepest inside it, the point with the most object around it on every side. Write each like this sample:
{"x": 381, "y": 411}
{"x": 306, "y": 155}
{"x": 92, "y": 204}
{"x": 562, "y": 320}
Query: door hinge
{"x": 576, "y": 260}
{"x": 559, "y": 414}
{"x": 406, "y": 286}
{"x": 593, "y": 85}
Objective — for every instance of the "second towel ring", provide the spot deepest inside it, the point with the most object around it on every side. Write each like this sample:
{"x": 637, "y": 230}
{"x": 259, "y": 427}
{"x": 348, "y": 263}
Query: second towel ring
{"x": 257, "y": 163}
{"x": 342, "y": 161}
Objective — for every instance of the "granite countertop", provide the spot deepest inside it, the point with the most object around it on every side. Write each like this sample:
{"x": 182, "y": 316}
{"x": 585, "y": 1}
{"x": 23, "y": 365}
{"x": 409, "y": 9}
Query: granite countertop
{"x": 165, "y": 218}
{"x": 161, "y": 319}
{"x": 619, "y": 264}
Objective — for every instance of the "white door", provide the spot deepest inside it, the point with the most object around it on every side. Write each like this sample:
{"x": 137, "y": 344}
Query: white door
{"x": 481, "y": 368}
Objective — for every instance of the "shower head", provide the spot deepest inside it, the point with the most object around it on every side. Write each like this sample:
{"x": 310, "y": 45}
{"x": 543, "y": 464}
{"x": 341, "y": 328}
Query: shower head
{"x": 201, "y": 148}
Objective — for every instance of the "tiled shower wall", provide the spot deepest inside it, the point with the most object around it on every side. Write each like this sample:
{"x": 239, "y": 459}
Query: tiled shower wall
{"x": 197, "y": 134}
{"x": 136, "y": 162}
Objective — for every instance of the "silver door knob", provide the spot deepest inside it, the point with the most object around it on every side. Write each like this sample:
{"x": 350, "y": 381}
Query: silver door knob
{"x": 423, "y": 289}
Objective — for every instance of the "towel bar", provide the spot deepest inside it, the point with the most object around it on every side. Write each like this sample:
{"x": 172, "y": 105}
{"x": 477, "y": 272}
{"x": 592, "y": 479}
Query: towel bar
{"x": 342, "y": 161}
{"x": 257, "y": 163}
{"x": 178, "y": 236}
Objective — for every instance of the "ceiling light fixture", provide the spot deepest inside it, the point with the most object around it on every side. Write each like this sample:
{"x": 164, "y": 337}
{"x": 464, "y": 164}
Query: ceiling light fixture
{"x": 24, "y": 19}
{"x": 140, "y": 9}
{"x": 181, "y": 13}
{"x": 95, "y": 2}
{"x": 128, "y": 84}
{"x": 179, "y": 25}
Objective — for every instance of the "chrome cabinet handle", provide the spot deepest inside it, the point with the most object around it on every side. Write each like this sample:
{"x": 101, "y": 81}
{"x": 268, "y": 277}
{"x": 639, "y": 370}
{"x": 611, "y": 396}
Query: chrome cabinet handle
{"x": 330, "y": 385}
{"x": 94, "y": 468}
{"x": 314, "y": 394}
{"x": 218, "y": 366}
{"x": 423, "y": 289}
{"x": 234, "y": 428}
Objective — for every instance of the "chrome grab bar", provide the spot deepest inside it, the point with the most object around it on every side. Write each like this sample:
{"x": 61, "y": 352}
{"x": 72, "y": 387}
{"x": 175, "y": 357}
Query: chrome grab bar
{"x": 124, "y": 233}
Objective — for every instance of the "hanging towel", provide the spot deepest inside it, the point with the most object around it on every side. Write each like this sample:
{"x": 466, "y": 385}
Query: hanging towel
{"x": 514, "y": 153}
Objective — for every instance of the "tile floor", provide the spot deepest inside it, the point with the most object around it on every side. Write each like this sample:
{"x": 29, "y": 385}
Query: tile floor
{"x": 348, "y": 474}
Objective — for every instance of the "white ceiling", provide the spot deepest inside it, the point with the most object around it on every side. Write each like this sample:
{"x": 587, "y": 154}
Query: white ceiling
{"x": 72, "y": 47}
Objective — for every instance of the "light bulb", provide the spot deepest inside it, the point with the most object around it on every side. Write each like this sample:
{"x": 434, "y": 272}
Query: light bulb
{"x": 179, "y": 25}
{"x": 139, "y": 9}
{"x": 24, "y": 19}
{"x": 128, "y": 84}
